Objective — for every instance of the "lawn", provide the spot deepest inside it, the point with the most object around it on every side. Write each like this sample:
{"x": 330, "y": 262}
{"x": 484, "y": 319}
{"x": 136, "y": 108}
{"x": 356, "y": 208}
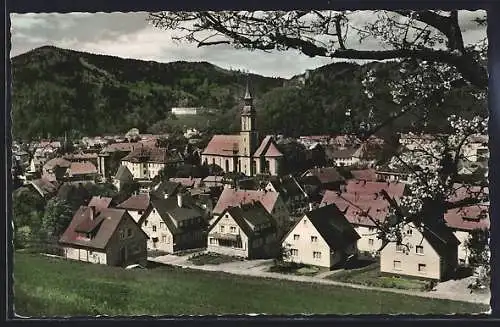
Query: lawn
{"x": 296, "y": 269}
{"x": 54, "y": 287}
{"x": 211, "y": 259}
{"x": 370, "y": 276}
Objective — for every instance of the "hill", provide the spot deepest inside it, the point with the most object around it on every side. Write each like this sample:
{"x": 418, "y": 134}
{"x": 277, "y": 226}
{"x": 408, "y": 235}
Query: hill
{"x": 57, "y": 91}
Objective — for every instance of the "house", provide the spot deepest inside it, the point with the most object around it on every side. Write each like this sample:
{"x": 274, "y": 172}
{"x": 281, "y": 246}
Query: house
{"x": 188, "y": 182}
{"x": 55, "y": 169}
{"x": 146, "y": 162}
{"x": 166, "y": 189}
{"x": 272, "y": 202}
{"x": 245, "y": 152}
{"x": 122, "y": 177}
{"x": 357, "y": 187}
{"x": 369, "y": 175}
{"x": 329, "y": 178}
{"x": 136, "y": 205}
{"x": 213, "y": 181}
{"x": 346, "y": 157}
{"x": 110, "y": 157}
{"x": 100, "y": 202}
{"x": 247, "y": 231}
{"x": 104, "y": 236}
{"x": 174, "y": 224}
{"x": 430, "y": 253}
{"x": 463, "y": 221}
{"x": 45, "y": 187}
{"x": 294, "y": 196}
{"x": 322, "y": 237}
{"x": 81, "y": 171}
{"x": 364, "y": 212}
{"x": 476, "y": 148}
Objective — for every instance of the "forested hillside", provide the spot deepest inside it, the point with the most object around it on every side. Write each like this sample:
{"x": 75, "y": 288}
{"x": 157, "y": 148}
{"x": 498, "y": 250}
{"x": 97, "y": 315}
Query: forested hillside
{"x": 57, "y": 91}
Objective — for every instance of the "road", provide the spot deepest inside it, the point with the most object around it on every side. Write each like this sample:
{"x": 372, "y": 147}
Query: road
{"x": 450, "y": 290}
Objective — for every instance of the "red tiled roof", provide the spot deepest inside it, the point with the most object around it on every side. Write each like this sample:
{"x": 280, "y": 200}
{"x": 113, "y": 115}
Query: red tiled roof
{"x": 365, "y": 174}
{"x": 61, "y": 162}
{"x": 395, "y": 190}
{"x": 80, "y": 156}
{"x": 100, "y": 202}
{"x": 272, "y": 151}
{"x": 462, "y": 192}
{"x": 222, "y": 145}
{"x": 355, "y": 207}
{"x": 136, "y": 202}
{"x": 150, "y": 154}
{"x": 87, "y": 219}
{"x": 122, "y": 146}
{"x": 233, "y": 198}
{"x": 268, "y": 148}
{"x": 468, "y": 218}
{"x": 82, "y": 168}
{"x": 325, "y": 175}
{"x": 187, "y": 181}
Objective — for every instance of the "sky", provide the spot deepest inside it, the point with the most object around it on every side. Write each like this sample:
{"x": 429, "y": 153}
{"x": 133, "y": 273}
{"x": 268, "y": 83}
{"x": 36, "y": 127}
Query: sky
{"x": 129, "y": 35}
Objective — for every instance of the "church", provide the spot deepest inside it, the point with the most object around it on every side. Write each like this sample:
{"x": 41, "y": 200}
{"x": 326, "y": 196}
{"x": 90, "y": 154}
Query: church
{"x": 247, "y": 152}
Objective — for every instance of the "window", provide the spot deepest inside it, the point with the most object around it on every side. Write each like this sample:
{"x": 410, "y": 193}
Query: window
{"x": 419, "y": 249}
{"x": 370, "y": 242}
{"x": 316, "y": 255}
{"x": 145, "y": 222}
{"x": 164, "y": 238}
{"x": 421, "y": 267}
{"x": 130, "y": 232}
{"x": 371, "y": 229}
{"x": 213, "y": 240}
{"x": 409, "y": 231}
{"x": 314, "y": 239}
{"x": 122, "y": 234}
{"x": 305, "y": 221}
{"x": 154, "y": 228}
{"x": 294, "y": 252}
{"x": 161, "y": 224}
{"x": 397, "y": 265}
{"x": 222, "y": 228}
{"x": 400, "y": 248}
{"x": 296, "y": 237}
{"x": 233, "y": 229}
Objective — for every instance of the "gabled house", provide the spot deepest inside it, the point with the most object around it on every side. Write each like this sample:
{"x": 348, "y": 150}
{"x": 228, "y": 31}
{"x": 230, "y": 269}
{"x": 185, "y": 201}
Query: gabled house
{"x": 145, "y": 163}
{"x": 247, "y": 231}
{"x": 364, "y": 213}
{"x": 322, "y": 237}
{"x": 346, "y": 157}
{"x": 427, "y": 253}
{"x": 174, "y": 224}
{"x": 328, "y": 177}
{"x": 122, "y": 177}
{"x": 463, "y": 221}
{"x": 55, "y": 169}
{"x": 294, "y": 196}
{"x": 166, "y": 189}
{"x": 104, "y": 236}
{"x": 100, "y": 202}
{"x": 44, "y": 187}
{"x": 81, "y": 171}
{"x": 272, "y": 202}
{"x": 136, "y": 205}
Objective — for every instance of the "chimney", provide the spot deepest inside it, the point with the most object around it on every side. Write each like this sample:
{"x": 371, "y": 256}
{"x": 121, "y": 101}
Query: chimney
{"x": 311, "y": 206}
{"x": 92, "y": 213}
{"x": 179, "y": 200}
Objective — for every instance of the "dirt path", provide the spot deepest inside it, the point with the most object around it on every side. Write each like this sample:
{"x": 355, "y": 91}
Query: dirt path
{"x": 257, "y": 269}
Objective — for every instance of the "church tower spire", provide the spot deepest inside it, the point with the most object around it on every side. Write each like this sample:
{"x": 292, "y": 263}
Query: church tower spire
{"x": 248, "y": 133}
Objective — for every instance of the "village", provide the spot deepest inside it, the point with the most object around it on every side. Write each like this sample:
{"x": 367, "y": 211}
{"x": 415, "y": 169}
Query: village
{"x": 239, "y": 208}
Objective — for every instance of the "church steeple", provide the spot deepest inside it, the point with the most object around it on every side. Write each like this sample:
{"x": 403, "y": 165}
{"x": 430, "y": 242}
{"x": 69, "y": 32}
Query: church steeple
{"x": 248, "y": 101}
{"x": 248, "y": 96}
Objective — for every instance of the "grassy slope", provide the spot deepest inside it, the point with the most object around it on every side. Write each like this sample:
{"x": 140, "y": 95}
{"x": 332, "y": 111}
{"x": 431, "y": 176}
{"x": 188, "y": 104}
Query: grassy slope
{"x": 47, "y": 287}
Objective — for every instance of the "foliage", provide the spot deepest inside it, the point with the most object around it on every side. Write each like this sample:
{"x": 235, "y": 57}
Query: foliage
{"x": 57, "y": 217}
{"x": 27, "y": 208}
{"x": 52, "y": 287}
{"x": 75, "y": 195}
{"x": 477, "y": 244}
{"x": 57, "y": 91}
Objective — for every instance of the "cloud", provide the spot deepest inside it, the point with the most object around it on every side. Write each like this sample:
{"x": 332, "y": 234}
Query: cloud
{"x": 129, "y": 35}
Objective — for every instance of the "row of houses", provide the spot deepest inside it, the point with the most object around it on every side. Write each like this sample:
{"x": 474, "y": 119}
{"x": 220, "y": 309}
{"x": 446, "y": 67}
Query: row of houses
{"x": 257, "y": 224}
